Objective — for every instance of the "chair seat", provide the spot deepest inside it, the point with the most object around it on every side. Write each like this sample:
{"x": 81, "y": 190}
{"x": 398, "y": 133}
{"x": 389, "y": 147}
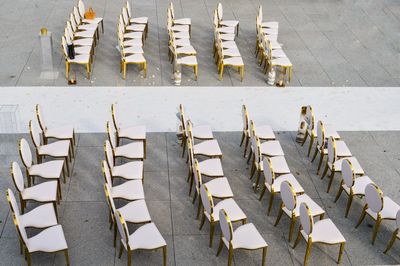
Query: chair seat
{"x": 83, "y": 42}
{"x": 131, "y": 170}
{"x": 83, "y": 49}
{"x": 133, "y": 42}
{"x": 91, "y": 27}
{"x": 180, "y": 28}
{"x": 92, "y": 21}
{"x": 182, "y": 42}
{"x": 274, "y": 44}
{"x": 246, "y": 237}
{"x": 132, "y": 132}
{"x": 229, "y": 23}
{"x": 182, "y": 35}
{"x": 208, "y": 148}
{"x": 231, "y": 52}
{"x": 283, "y": 61}
{"x": 271, "y": 37}
{"x": 325, "y": 231}
{"x": 64, "y": 132}
{"x": 211, "y": 167}
{"x": 135, "y": 212}
{"x": 270, "y": 31}
{"x": 360, "y": 183}
{"x": 279, "y": 165}
{"x": 265, "y": 132}
{"x": 130, "y": 190}
{"x": 146, "y": 237}
{"x": 315, "y": 209}
{"x": 55, "y": 149}
{"x": 135, "y": 58}
{"x": 233, "y": 210}
{"x": 84, "y": 34}
{"x": 231, "y": 30}
{"x": 183, "y": 21}
{"x": 43, "y": 192}
{"x": 139, "y": 20}
{"x": 219, "y": 188}
{"x": 233, "y": 61}
{"x": 331, "y": 133}
{"x": 133, "y": 150}
{"x": 51, "y": 239}
{"x": 133, "y": 35}
{"x": 133, "y": 50}
{"x": 354, "y": 162}
{"x": 136, "y": 27}
{"x": 270, "y": 24}
{"x": 342, "y": 150}
{"x": 80, "y": 59}
{"x": 271, "y": 148}
{"x": 288, "y": 177}
{"x": 278, "y": 53}
{"x": 186, "y": 50}
{"x": 40, "y": 217}
{"x": 229, "y": 44}
{"x": 187, "y": 60}
{"x": 202, "y": 132}
{"x": 50, "y": 169}
{"x": 389, "y": 211}
{"x": 227, "y": 36}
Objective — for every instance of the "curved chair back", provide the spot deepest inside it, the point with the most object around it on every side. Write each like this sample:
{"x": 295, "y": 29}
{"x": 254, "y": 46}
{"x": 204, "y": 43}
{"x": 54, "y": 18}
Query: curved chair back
{"x": 398, "y": 219}
{"x": 106, "y": 173}
{"x": 189, "y": 130}
{"x": 226, "y": 225}
{"x": 81, "y": 8}
{"x": 182, "y": 117}
{"x": 128, "y": 8}
{"x": 374, "y": 197}
{"x": 125, "y": 16}
{"x": 207, "y": 200}
{"x": 122, "y": 228}
{"x": 220, "y": 11}
{"x": 306, "y": 218}
{"x": 12, "y": 201}
{"x": 257, "y": 150}
{"x": 20, "y": 229}
{"x": 331, "y": 150}
{"x": 245, "y": 116}
{"x": 171, "y": 8}
{"x": 309, "y": 117}
{"x": 215, "y": 19}
{"x": 76, "y": 15}
{"x": 35, "y": 135}
{"x": 64, "y": 45}
{"x": 69, "y": 29}
{"x": 191, "y": 154}
{"x": 288, "y": 195}
{"x": 73, "y": 22}
{"x": 39, "y": 117}
{"x": 110, "y": 201}
{"x": 25, "y": 153}
{"x": 109, "y": 154}
{"x": 260, "y": 14}
{"x": 348, "y": 173}
{"x": 17, "y": 176}
{"x": 114, "y": 116}
{"x": 197, "y": 175}
{"x": 111, "y": 135}
{"x": 321, "y": 134}
{"x": 269, "y": 173}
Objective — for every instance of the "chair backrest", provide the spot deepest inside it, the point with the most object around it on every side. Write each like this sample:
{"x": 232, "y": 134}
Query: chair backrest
{"x": 114, "y": 116}
{"x": 121, "y": 27}
{"x": 40, "y": 118}
{"x": 12, "y": 201}
{"x": 269, "y": 173}
{"x": 77, "y": 16}
{"x": 288, "y": 195}
{"x": 122, "y": 228}
{"x": 20, "y": 228}
{"x": 17, "y": 176}
{"x": 64, "y": 45}
{"x": 190, "y": 153}
{"x": 398, "y": 219}
{"x": 108, "y": 151}
{"x": 260, "y": 14}
{"x": 111, "y": 135}
{"x": 245, "y": 116}
{"x": 226, "y": 225}
{"x": 189, "y": 130}
{"x": 374, "y": 197}
{"x": 309, "y": 117}
{"x": 182, "y": 116}
{"x": 35, "y": 135}
{"x": 171, "y": 9}
{"x": 73, "y": 22}
{"x": 128, "y": 8}
{"x": 220, "y": 11}
{"x": 215, "y": 19}
{"x": 106, "y": 173}
{"x": 125, "y": 16}
{"x": 257, "y": 150}
{"x": 331, "y": 150}
{"x": 25, "y": 153}
{"x": 306, "y": 218}
{"x": 69, "y": 30}
{"x": 81, "y": 8}
{"x": 110, "y": 201}
{"x": 197, "y": 175}
{"x": 321, "y": 134}
{"x": 348, "y": 173}
{"x": 207, "y": 200}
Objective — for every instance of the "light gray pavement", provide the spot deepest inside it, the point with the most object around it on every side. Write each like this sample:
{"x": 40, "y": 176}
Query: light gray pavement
{"x": 84, "y": 211}
{"x": 330, "y": 43}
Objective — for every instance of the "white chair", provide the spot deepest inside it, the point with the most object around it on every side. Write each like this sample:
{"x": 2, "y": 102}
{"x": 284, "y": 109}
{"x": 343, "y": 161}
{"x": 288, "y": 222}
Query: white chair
{"x": 334, "y": 161}
{"x": 130, "y": 44}
{"x": 131, "y": 59}
{"x": 185, "y": 60}
{"x": 273, "y": 184}
{"x": 226, "y": 23}
{"x": 282, "y": 62}
{"x": 135, "y": 27}
{"x": 352, "y": 184}
{"x": 146, "y": 237}
{"x": 81, "y": 26}
{"x": 323, "y": 231}
{"x": 130, "y": 171}
{"x": 135, "y": 212}
{"x": 130, "y": 190}
{"x": 322, "y": 146}
{"x": 211, "y": 211}
{"x": 244, "y": 237}
{"x": 78, "y": 43}
{"x": 80, "y": 32}
{"x": 310, "y": 130}
{"x": 268, "y": 24}
{"x": 378, "y": 207}
{"x": 291, "y": 206}
{"x": 59, "y": 133}
{"x": 179, "y": 21}
{"x": 396, "y": 234}
{"x": 137, "y": 132}
{"x": 217, "y": 187}
{"x": 96, "y": 21}
{"x": 209, "y": 148}
{"x": 137, "y": 20}
{"x": 45, "y": 192}
{"x": 132, "y": 151}
{"x": 226, "y": 60}
{"x": 264, "y": 132}
{"x": 50, "y": 240}
{"x": 50, "y": 170}
{"x": 79, "y": 50}
{"x": 58, "y": 149}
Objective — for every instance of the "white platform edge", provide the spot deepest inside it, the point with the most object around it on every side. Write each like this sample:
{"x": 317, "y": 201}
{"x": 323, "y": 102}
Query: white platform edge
{"x": 88, "y": 108}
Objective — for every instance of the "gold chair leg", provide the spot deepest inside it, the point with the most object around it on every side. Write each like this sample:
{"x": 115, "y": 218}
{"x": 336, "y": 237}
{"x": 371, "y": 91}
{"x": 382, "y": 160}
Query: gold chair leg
{"x": 212, "y": 229}
{"x": 66, "y": 256}
{"x": 257, "y": 179}
{"x": 203, "y": 219}
{"x": 325, "y": 171}
{"x": 362, "y": 216}
{"x": 296, "y": 242}
{"x": 230, "y": 256}
{"x": 241, "y": 73}
{"x": 221, "y": 244}
{"x": 196, "y": 72}
{"x": 392, "y": 240}
{"x": 129, "y": 257}
{"x": 320, "y": 163}
{"x": 278, "y": 218}
{"x": 221, "y": 72}
{"x": 271, "y": 200}
{"x": 331, "y": 180}
{"x": 246, "y": 144}
{"x": 308, "y": 251}
{"x": 264, "y": 255}
{"x": 241, "y": 141}
{"x": 66, "y": 70}
{"x": 124, "y": 69}
{"x": 145, "y": 69}
{"x": 350, "y": 200}
{"x": 292, "y": 223}
{"x": 120, "y": 250}
{"x": 376, "y": 229}
{"x": 311, "y": 143}
{"x": 339, "y": 192}
{"x": 305, "y": 138}
{"x": 340, "y": 252}
{"x": 165, "y": 255}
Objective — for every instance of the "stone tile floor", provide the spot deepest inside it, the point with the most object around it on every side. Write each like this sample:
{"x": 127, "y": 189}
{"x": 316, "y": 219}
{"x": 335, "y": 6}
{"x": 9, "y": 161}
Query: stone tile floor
{"x": 330, "y": 43}
{"x": 83, "y": 211}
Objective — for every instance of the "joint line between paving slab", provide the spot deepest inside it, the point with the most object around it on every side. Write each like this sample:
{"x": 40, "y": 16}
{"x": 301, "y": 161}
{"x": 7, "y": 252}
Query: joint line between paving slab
{"x": 159, "y": 45}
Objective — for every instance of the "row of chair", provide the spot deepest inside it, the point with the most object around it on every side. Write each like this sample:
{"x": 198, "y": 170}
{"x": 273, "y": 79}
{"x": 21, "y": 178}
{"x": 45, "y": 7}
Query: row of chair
{"x": 269, "y": 159}
{"x": 354, "y": 182}
{"x": 48, "y": 193}
{"x": 268, "y": 51}
{"x": 226, "y": 211}
{"x": 226, "y": 52}
{"x": 131, "y": 33}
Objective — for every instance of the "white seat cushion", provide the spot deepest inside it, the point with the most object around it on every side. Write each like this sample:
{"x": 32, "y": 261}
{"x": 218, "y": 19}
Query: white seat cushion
{"x": 133, "y": 150}
{"x": 354, "y": 162}
{"x": 40, "y": 217}
{"x": 131, "y": 170}
{"x": 80, "y": 59}
{"x": 83, "y": 42}
{"x": 182, "y": 42}
{"x": 133, "y": 42}
{"x": 271, "y": 148}
{"x": 186, "y": 50}
{"x": 187, "y": 60}
{"x": 211, "y": 167}
{"x": 234, "y": 61}
{"x": 183, "y": 21}
{"x": 331, "y": 133}
{"x": 133, "y": 35}
{"x": 92, "y": 21}
{"x": 43, "y": 192}
{"x": 265, "y": 132}
{"x": 135, "y": 212}
{"x": 136, "y": 27}
{"x": 219, "y": 188}
{"x": 64, "y": 132}
{"x": 229, "y": 23}
{"x": 270, "y": 24}
{"x": 360, "y": 183}
{"x": 389, "y": 211}
{"x": 315, "y": 209}
{"x": 51, "y": 239}
{"x": 288, "y": 177}
{"x": 133, "y": 50}
{"x": 83, "y": 49}
{"x": 180, "y": 28}
{"x": 278, "y": 53}
{"x": 90, "y": 27}
{"x": 231, "y": 52}
{"x": 247, "y": 237}
{"x": 226, "y": 30}
{"x": 84, "y": 34}
{"x": 341, "y": 149}
{"x": 233, "y": 210}
{"x": 208, "y": 148}
{"x": 50, "y": 169}
{"x": 229, "y": 44}
{"x": 182, "y": 35}
{"x": 202, "y": 132}
{"x": 275, "y": 45}
{"x": 130, "y": 190}
{"x": 146, "y": 237}
{"x": 132, "y": 132}
{"x": 279, "y": 165}
{"x": 139, "y": 20}
{"x": 227, "y": 36}
{"x": 283, "y": 61}
{"x": 135, "y": 58}
{"x": 55, "y": 149}
{"x": 325, "y": 231}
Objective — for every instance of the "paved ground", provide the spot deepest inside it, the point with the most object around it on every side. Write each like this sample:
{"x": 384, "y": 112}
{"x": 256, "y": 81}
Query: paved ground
{"x": 330, "y": 43}
{"x": 84, "y": 211}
